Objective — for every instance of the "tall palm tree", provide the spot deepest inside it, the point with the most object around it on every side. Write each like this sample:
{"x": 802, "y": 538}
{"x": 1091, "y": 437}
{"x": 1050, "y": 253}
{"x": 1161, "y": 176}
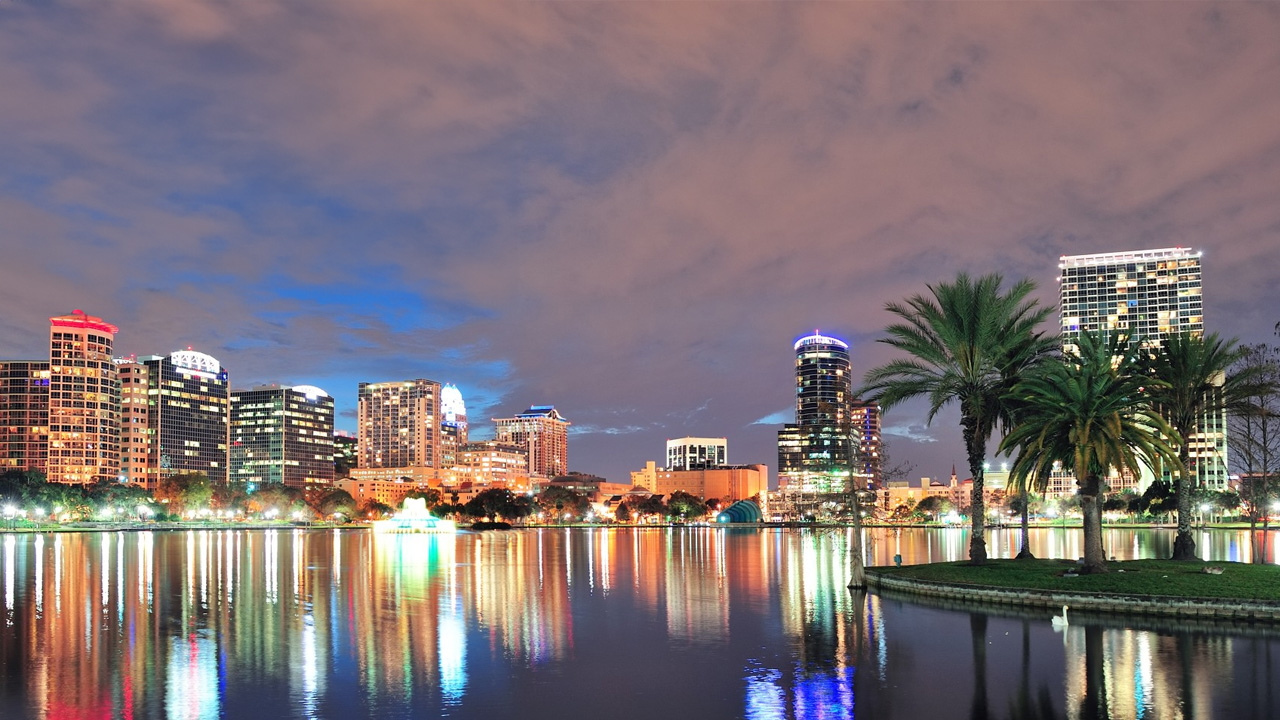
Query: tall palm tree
{"x": 969, "y": 341}
{"x": 1091, "y": 411}
{"x": 1195, "y": 386}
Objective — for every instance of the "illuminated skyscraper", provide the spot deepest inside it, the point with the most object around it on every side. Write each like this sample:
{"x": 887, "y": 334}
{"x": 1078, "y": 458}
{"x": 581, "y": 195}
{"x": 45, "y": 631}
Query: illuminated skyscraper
{"x": 545, "y": 433}
{"x": 282, "y": 435}
{"x": 84, "y": 400}
{"x": 175, "y": 410}
{"x": 817, "y": 452}
{"x": 453, "y": 426}
{"x": 693, "y": 453}
{"x": 864, "y": 419}
{"x": 399, "y": 424}
{"x": 1150, "y": 294}
{"x": 24, "y": 415}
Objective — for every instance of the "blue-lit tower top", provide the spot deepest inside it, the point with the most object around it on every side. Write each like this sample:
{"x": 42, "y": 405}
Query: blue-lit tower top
{"x": 823, "y": 384}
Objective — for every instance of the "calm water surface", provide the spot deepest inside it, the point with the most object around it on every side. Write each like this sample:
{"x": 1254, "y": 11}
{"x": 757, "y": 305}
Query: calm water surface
{"x": 698, "y": 622}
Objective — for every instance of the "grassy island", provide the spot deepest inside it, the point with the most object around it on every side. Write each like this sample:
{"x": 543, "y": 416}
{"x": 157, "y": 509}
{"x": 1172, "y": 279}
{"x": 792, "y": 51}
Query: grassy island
{"x": 1149, "y": 579}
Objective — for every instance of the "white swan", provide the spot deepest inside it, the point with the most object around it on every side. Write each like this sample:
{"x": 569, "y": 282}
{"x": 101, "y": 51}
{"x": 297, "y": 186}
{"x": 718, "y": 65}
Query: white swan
{"x": 1060, "y": 621}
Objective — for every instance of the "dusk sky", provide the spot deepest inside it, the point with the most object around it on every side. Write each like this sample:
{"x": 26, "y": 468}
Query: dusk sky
{"x": 627, "y": 210}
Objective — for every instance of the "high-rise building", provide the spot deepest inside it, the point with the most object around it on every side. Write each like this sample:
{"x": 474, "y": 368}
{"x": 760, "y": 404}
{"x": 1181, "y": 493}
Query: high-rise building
{"x": 545, "y": 433}
{"x": 695, "y": 453}
{"x": 1149, "y": 294}
{"x": 84, "y": 400}
{"x": 175, "y": 417}
{"x": 399, "y": 424}
{"x": 24, "y": 415}
{"x": 818, "y": 453}
{"x": 490, "y": 462}
{"x": 864, "y": 419}
{"x": 282, "y": 435}
{"x": 453, "y": 426}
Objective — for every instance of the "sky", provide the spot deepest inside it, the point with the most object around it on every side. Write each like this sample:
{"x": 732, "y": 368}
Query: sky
{"x": 626, "y": 210}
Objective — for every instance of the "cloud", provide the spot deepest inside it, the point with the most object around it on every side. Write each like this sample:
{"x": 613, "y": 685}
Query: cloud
{"x": 611, "y": 206}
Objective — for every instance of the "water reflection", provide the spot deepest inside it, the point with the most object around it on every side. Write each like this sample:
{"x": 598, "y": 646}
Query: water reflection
{"x": 568, "y": 623}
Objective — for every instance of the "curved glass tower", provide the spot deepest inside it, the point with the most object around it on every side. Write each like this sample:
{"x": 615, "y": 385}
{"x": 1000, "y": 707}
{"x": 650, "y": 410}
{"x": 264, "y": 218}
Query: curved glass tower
{"x": 822, "y": 380}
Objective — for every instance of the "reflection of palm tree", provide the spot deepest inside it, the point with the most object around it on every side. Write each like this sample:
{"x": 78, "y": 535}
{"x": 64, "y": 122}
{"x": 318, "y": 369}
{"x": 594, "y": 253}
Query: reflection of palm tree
{"x": 1095, "y": 698}
{"x": 978, "y": 627}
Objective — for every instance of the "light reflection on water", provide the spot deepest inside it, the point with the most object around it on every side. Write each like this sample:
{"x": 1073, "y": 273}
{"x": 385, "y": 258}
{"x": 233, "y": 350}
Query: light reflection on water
{"x": 706, "y": 622}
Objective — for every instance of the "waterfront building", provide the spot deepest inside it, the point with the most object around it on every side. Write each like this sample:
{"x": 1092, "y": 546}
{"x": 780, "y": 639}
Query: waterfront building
{"x": 864, "y": 420}
{"x": 84, "y": 400}
{"x": 493, "y": 462}
{"x": 344, "y": 453}
{"x": 174, "y": 411}
{"x": 1150, "y": 294}
{"x": 399, "y": 427}
{"x": 282, "y": 435}
{"x": 453, "y": 426}
{"x": 545, "y": 433}
{"x": 24, "y": 415}
{"x": 727, "y": 482}
{"x": 388, "y": 491}
{"x": 818, "y": 455}
{"x": 696, "y": 453}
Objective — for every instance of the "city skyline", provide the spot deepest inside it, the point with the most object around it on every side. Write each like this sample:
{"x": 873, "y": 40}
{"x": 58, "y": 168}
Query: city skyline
{"x": 627, "y": 211}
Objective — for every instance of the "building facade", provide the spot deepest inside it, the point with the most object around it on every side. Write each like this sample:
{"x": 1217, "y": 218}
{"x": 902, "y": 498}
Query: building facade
{"x": 817, "y": 455}
{"x": 175, "y": 411}
{"x": 84, "y": 400}
{"x": 1149, "y": 294}
{"x": 545, "y": 433}
{"x": 492, "y": 462}
{"x": 695, "y": 453}
{"x": 864, "y": 419}
{"x": 24, "y": 415}
{"x": 726, "y": 483}
{"x": 453, "y": 426}
{"x": 282, "y": 435}
{"x": 399, "y": 424}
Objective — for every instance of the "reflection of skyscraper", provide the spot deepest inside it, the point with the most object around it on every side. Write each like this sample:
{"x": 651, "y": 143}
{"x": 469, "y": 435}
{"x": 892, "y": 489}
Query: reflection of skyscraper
{"x": 84, "y": 400}
{"x": 817, "y": 453}
{"x": 1150, "y": 294}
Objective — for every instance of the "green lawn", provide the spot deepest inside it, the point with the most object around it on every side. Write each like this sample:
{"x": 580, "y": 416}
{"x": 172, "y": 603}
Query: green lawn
{"x": 1139, "y": 577}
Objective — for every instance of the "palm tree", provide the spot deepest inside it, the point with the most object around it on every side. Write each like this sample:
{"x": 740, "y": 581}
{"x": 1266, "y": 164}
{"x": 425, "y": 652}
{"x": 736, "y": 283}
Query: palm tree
{"x": 968, "y": 343}
{"x": 1195, "y": 387}
{"x": 1091, "y": 411}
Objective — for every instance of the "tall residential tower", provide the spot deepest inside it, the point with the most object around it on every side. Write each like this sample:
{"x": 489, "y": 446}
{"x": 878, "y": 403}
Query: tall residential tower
{"x": 84, "y": 400}
{"x": 545, "y": 433}
{"x": 1150, "y": 294}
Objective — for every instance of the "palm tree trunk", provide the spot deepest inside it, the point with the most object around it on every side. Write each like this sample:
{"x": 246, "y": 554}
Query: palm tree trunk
{"x": 857, "y": 570}
{"x": 1024, "y": 553}
{"x": 976, "y": 447}
{"x": 1184, "y": 545}
{"x": 1095, "y": 560}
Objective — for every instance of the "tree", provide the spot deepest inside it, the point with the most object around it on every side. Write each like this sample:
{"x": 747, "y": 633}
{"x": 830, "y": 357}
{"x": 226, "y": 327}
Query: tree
{"x": 498, "y": 503}
{"x": 431, "y": 495}
{"x": 622, "y": 513}
{"x": 375, "y": 510}
{"x": 685, "y": 506}
{"x": 1089, "y": 410}
{"x": 969, "y": 343}
{"x": 185, "y": 492}
{"x": 651, "y": 505}
{"x": 559, "y": 501}
{"x": 933, "y": 506}
{"x": 1254, "y": 430}
{"x": 1194, "y": 384}
{"x": 334, "y": 501}
{"x": 283, "y": 499}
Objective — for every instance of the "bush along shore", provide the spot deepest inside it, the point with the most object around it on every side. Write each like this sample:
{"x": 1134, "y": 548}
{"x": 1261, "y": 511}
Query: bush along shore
{"x": 1235, "y": 591}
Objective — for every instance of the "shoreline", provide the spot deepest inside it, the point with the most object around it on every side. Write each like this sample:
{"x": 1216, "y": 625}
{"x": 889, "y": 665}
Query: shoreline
{"x": 1230, "y": 609}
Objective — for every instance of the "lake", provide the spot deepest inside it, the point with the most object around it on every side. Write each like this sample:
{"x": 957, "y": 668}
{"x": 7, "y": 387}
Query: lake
{"x": 582, "y": 623}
